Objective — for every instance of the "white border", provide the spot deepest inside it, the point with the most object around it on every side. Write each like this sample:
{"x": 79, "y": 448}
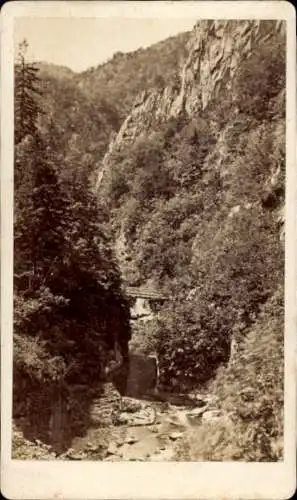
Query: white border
{"x": 94, "y": 480}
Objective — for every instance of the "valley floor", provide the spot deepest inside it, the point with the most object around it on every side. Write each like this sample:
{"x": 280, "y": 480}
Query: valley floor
{"x": 143, "y": 431}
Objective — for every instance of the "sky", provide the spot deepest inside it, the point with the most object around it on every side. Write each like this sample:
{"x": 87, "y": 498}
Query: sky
{"x": 82, "y": 43}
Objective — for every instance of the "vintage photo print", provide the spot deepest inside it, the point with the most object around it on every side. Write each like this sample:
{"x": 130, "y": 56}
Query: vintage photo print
{"x": 148, "y": 247}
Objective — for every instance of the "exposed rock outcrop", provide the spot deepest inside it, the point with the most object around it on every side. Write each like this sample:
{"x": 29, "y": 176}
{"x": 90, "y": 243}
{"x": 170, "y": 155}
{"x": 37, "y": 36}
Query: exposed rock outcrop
{"x": 216, "y": 50}
{"x": 195, "y": 180}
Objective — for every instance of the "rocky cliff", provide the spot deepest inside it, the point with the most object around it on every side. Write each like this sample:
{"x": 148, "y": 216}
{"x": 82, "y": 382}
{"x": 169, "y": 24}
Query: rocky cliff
{"x": 195, "y": 182}
{"x": 216, "y": 50}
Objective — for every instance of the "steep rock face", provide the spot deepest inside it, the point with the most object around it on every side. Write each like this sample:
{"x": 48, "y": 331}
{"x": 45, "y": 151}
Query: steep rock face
{"x": 218, "y": 47}
{"x": 216, "y": 50}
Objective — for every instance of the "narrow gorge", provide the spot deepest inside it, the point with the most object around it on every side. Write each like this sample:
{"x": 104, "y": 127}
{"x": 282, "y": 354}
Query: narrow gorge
{"x": 183, "y": 144}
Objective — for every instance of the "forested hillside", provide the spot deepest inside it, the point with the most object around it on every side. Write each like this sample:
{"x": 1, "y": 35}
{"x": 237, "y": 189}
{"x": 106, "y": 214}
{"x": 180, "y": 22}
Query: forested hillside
{"x": 121, "y": 79}
{"x": 70, "y": 312}
{"x": 188, "y": 137}
{"x": 69, "y": 308}
{"x": 88, "y": 108}
{"x": 197, "y": 195}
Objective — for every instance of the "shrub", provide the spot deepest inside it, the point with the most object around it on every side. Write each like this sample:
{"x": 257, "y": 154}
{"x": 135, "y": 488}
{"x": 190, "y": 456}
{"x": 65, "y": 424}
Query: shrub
{"x": 250, "y": 392}
{"x": 261, "y": 78}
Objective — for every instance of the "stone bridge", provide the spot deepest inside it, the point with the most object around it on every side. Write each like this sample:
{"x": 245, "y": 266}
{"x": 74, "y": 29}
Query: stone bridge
{"x": 144, "y": 302}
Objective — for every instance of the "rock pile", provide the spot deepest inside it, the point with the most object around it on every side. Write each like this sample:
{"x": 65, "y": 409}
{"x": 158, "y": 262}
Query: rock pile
{"x": 105, "y": 409}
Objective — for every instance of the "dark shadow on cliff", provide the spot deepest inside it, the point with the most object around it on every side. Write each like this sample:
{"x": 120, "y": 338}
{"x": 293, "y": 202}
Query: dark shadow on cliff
{"x": 54, "y": 415}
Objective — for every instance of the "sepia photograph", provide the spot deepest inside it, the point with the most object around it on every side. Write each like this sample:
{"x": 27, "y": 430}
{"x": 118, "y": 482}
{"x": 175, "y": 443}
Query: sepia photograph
{"x": 149, "y": 230}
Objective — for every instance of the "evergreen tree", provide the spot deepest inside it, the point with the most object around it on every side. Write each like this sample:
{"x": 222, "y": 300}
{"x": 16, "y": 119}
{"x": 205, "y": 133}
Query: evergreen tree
{"x": 67, "y": 284}
{"x": 40, "y": 206}
{"x": 27, "y": 92}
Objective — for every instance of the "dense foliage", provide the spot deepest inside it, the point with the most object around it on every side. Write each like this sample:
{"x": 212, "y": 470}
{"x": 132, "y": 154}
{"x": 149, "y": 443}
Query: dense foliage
{"x": 198, "y": 200}
{"x": 250, "y": 393}
{"x": 196, "y": 209}
{"x": 88, "y": 108}
{"x": 69, "y": 306}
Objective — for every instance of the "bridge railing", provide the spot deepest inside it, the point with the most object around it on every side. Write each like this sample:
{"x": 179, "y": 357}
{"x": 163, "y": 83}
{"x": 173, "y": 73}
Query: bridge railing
{"x": 144, "y": 294}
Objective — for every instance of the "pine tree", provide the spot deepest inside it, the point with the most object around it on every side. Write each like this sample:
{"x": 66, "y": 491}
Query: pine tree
{"x": 27, "y": 92}
{"x": 69, "y": 309}
{"x": 67, "y": 283}
{"x": 39, "y": 229}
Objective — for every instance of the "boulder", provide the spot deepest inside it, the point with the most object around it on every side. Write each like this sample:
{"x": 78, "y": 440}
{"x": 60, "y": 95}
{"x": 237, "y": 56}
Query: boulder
{"x": 131, "y": 440}
{"x": 175, "y": 435}
{"x": 130, "y": 405}
{"x": 112, "y": 449}
{"x": 122, "y": 419}
{"x": 145, "y": 416}
{"x": 154, "y": 429}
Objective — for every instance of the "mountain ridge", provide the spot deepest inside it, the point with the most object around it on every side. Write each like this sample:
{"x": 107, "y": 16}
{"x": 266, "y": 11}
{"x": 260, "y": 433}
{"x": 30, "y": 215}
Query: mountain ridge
{"x": 228, "y": 42}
